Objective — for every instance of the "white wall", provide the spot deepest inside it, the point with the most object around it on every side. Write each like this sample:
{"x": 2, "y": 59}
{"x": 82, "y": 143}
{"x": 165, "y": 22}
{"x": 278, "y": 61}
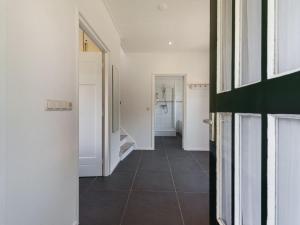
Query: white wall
{"x": 42, "y": 147}
{"x": 2, "y": 107}
{"x": 42, "y": 168}
{"x": 97, "y": 16}
{"x": 136, "y": 86}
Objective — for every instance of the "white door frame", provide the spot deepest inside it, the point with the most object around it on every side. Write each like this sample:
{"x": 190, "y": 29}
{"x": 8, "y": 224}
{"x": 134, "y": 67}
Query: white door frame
{"x": 87, "y": 28}
{"x": 153, "y": 97}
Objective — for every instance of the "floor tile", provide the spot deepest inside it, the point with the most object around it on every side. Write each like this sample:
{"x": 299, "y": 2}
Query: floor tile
{"x": 191, "y": 182}
{"x": 185, "y": 165}
{"x": 152, "y": 208}
{"x": 117, "y": 181}
{"x": 195, "y": 208}
{"x": 102, "y": 208}
{"x": 153, "y": 181}
{"x": 85, "y": 183}
{"x": 153, "y": 200}
{"x": 130, "y": 163}
{"x": 177, "y": 153}
{"x": 154, "y": 164}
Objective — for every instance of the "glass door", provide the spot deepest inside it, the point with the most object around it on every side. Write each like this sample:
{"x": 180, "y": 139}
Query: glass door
{"x": 255, "y": 80}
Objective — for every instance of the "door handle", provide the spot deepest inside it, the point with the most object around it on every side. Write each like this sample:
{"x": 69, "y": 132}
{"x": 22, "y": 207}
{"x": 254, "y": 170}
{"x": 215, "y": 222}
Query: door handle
{"x": 208, "y": 121}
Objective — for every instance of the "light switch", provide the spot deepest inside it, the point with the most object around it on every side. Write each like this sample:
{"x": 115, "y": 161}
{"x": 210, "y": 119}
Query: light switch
{"x": 57, "y": 105}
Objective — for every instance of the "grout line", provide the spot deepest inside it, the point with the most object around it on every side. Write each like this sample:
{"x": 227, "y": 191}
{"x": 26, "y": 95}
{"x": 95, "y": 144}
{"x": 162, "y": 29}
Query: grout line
{"x": 199, "y": 164}
{"x": 131, "y": 190}
{"x": 176, "y": 193}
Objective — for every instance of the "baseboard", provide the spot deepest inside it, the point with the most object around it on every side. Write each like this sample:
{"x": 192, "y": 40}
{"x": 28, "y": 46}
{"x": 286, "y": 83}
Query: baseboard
{"x": 126, "y": 153}
{"x": 144, "y": 149}
{"x": 196, "y": 149}
{"x": 165, "y": 133}
{"x": 112, "y": 169}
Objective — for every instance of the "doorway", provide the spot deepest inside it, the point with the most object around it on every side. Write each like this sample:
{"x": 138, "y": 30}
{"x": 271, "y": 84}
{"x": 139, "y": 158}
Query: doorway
{"x": 169, "y": 106}
{"x": 93, "y": 101}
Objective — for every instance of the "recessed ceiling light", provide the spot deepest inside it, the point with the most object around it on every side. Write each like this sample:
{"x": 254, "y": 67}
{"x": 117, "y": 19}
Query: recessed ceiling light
{"x": 170, "y": 43}
{"x": 163, "y": 6}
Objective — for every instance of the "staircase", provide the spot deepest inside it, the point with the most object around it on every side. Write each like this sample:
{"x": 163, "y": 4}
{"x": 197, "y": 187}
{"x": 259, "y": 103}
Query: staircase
{"x": 127, "y": 145}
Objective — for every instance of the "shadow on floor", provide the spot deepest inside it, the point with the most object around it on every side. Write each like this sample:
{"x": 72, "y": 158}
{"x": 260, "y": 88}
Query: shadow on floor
{"x": 168, "y": 186}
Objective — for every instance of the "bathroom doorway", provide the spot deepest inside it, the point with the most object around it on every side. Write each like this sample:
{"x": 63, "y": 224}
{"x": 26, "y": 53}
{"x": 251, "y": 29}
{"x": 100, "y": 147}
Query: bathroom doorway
{"x": 169, "y": 106}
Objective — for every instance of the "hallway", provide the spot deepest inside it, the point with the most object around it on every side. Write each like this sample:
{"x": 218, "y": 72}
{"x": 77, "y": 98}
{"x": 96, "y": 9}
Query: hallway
{"x": 164, "y": 187}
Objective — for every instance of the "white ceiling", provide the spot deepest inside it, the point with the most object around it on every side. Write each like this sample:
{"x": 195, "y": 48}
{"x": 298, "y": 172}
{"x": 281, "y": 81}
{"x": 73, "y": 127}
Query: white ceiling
{"x": 144, "y": 28}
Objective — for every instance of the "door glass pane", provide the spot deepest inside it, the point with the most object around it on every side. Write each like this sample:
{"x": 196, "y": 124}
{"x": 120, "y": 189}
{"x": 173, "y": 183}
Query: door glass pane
{"x": 250, "y": 170}
{"x": 250, "y": 42}
{"x": 225, "y": 45}
{"x": 225, "y": 169}
{"x": 288, "y": 171}
{"x": 288, "y": 35}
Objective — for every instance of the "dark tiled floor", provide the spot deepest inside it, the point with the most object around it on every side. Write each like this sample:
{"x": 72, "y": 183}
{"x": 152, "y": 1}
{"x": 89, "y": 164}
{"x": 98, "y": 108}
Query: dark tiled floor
{"x": 168, "y": 186}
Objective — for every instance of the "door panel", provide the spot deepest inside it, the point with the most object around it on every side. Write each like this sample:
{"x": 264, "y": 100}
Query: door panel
{"x": 284, "y": 167}
{"x": 256, "y": 190}
{"x": 287, "y": 37}
{"x": 90, "y": 114}
{"x": 224, "y": 45}
{"x": 248, "y": 42}
{"x": 248, "y": 169}
{"x": 224, "y": 169}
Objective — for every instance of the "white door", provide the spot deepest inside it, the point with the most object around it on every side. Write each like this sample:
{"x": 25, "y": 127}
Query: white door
{"x": 90, "y": 114}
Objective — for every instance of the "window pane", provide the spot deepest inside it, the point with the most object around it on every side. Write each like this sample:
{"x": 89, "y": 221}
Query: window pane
{"x": 225, "y": 159}
{"x": 250, "y": 170}
{"x": 250, "y": 58}
{"x": 225, "y": 45}
{"x": 288, "y": 171}
{"x": 288, "y": 34}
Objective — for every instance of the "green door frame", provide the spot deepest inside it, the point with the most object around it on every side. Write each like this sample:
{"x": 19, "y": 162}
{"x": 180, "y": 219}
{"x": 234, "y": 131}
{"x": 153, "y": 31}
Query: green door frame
{"x": 269, "y": 96}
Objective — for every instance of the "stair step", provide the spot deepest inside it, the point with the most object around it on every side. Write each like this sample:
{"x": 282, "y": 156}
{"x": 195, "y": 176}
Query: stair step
{"x": 125, "y": 147}
{"x": 123, "y": 136}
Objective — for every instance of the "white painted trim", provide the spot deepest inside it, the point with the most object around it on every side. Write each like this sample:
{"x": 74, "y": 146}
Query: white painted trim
{"x": 272, "y": 76}
{"x": 86, "y": 27}
{"x": 76, "y": 108}
{"x": 273, "y": 162}
{"x": 237, "y": 168}
{"x": 237, "y": 181}
{"x": 272, "y": 127}
{"x": 219, "y": 166}
{"x": 219, "y": 6}
{"x": 271, "y": 37}
{"x": 238, "y": 41}
{"x": 145, "y": 149}
{"x": 219, "y": 49}
{"x": 184, "y": 76}
{"x": 171, "y": 133}
{"x": 123, "y": 131}
{"x": 221, "y": 222}
{"x": 273, "y": 51}
{"x": 127, "y": 153}
{"x": 238, "y": 47}
{"x": 196, "y": 149}
{"x": 113, "y": 167}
